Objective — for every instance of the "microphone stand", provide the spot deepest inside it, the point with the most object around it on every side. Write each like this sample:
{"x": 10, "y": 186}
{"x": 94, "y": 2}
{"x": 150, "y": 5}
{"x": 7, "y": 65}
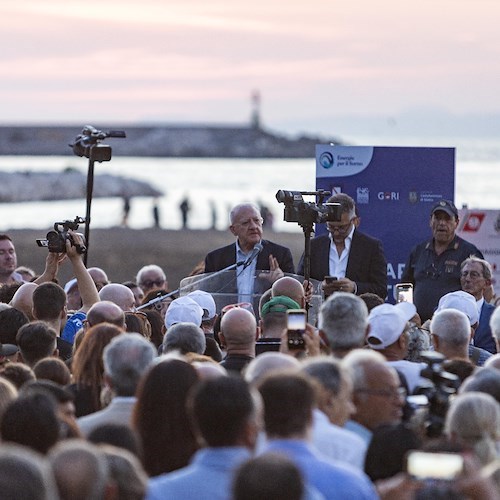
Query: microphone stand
{"x": 245, "y": 263}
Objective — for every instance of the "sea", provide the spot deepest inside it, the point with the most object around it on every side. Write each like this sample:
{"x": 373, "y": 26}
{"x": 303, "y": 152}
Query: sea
{"x": 214, "y": 185}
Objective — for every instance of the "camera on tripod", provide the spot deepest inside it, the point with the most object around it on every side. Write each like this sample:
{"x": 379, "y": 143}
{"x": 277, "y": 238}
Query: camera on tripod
{"x": 56, "y": 239}
{"x": 88, "y": 143}
{"x": 308, "y": 213}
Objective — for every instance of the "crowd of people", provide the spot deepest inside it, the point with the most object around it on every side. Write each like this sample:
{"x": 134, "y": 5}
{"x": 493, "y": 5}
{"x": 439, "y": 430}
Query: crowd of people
{"x": 128, "y": 391}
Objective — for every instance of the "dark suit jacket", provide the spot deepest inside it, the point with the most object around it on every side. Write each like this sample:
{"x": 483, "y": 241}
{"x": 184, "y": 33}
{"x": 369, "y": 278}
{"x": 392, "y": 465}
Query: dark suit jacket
{"x": 366, "y": 264}
{"x": 226, "y": 256}
{"x": 483, "y": 337}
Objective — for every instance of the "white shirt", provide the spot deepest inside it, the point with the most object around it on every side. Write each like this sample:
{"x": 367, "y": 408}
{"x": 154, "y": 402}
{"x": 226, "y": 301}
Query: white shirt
{"x": 245, "y": 276}
{"x": 338, "y": 265}
{"x": 336, "y": 442}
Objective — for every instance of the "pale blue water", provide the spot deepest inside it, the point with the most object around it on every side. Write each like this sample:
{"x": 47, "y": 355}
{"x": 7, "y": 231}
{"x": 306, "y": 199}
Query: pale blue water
{"x": 226, "y": 182}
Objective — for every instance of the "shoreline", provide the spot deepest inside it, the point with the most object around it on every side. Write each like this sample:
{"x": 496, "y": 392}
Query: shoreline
{"x": 121, "y": 252}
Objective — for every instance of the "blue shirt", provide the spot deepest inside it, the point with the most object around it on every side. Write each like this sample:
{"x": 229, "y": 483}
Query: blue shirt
{"x": 245, "y": 276}
{"x": 336, "y": 481}
{"x": 208, "y": 476}
{"x": 73, "y": 324}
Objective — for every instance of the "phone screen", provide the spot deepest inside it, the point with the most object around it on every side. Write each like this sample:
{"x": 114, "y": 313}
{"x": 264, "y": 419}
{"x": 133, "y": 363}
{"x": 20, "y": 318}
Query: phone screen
{"x": 438, "y": 466}
{"x": 296, "y": 326}
{"x": 404, "y": 292}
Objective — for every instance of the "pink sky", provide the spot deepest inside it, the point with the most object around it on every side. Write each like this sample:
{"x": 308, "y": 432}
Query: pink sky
{"x": 199, "y": 60}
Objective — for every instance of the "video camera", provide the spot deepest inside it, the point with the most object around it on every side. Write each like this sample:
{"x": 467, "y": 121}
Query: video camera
{"x": 308, "y": 213}
{"x": 440, "y": 386}
{"x": 88, "y": 143}
{"x": 56, "y": 239}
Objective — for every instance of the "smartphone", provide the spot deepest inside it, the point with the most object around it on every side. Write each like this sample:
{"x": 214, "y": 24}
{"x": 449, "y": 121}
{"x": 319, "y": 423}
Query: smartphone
{"x": 328, "y": 280}
{"x": 434, "y": 466}
{"x": 296, "y": 320}
{"x": 404, "y": 292}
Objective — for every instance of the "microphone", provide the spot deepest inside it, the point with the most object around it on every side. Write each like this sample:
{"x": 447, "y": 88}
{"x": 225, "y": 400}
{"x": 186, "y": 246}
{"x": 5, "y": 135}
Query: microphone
{"x": 256, "y": 250}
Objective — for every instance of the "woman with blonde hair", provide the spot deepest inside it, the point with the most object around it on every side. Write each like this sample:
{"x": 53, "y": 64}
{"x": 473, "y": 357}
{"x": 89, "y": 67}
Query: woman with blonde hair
{"x": 473, "y": 420}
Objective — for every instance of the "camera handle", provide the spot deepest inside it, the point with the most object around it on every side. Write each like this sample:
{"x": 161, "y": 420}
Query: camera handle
{"x": 90, "y": 189}
{"x": 308, "y": 230}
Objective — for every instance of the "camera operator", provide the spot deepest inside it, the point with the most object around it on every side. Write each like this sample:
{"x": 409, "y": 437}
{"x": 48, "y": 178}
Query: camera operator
{"x": 356, "y": 260}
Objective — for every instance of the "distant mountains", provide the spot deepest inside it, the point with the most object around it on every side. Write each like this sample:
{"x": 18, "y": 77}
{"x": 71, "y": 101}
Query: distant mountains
{"x": 165, "y": 141}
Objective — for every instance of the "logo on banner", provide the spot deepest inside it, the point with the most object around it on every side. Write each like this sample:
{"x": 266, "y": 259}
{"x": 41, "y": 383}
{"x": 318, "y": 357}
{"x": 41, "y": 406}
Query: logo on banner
{"x": 388, "y": 196}
{"x": 362, "y": 195}
{"x": 473, "y": 222}
{"x": 413, "y": 197}
{"x": 326, "y": 160}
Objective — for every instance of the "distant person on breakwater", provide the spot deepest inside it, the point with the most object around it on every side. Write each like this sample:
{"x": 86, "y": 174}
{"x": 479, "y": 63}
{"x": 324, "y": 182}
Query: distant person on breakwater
{"x": 185, "y": 207}
{"x": 126, "y": 211}
{"x": 156, "y": 214}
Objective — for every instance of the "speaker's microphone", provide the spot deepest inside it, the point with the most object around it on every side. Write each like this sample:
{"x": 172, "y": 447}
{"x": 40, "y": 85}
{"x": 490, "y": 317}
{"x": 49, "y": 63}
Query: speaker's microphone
{"x": 256, "y": 250}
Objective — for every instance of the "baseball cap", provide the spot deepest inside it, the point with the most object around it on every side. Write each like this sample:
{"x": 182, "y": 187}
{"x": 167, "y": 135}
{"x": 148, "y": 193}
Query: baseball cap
{"x": 205, "y": 301}
{"x": 445, "y": 206}
{"x": 461, "y": 301}
{"x": 387, "y": 323}
{"x": 69, "y": 285}
{"x": 183, "y": 310}
{"x": 280, "y": 303}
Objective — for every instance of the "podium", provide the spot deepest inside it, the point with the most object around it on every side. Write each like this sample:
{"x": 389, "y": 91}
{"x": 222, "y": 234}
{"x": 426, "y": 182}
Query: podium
{"x": 222, "y": 286}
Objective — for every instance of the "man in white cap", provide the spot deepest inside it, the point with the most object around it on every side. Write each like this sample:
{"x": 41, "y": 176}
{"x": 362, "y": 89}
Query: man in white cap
{"x": 389, "y": 335}
{"x": 207, "y": 303}
{"x": 183, "y": 310}
{"x": 466, "y": 303}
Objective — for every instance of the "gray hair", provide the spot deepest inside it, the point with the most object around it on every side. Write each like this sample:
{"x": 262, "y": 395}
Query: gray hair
{"x": 452, "y": 327}
{"x": 495, "y": 323}
{"x": 344, "y": 319}
{"x": 126, "y": 358}
{"x": 358, "y": 364}
{"x": 148, "y": 268}
{"x": 327, "y": 371}
{"x": 419, "y": 341}
{"x": 347, "y": 204}
{"x": 485, "y": 265}
{"x": 474, "y": 418}
{"x": 237, "y": 208}
{"x": 185, "y": 337}
{"x": 269, "y": 362}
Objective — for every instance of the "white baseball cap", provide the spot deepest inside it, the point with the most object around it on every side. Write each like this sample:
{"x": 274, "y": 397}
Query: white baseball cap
{"x": 205, "y": 301}
{"x": 387, "y": 323}
{"x": 461, "y": 301}
{"x": 183, "y": 310}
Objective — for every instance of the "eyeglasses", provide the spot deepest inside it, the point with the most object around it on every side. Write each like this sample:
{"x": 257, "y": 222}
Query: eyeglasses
{"x": 246, "y": 223}
{"x": 152, "y": 283}
{"x": 471, "y": 274}
{"x": 399, "y": 393}
{"x": 343, "y": 228}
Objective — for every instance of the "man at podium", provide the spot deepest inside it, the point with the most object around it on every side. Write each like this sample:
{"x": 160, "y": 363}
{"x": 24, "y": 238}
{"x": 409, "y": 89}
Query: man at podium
{"x": 250, "y": 250}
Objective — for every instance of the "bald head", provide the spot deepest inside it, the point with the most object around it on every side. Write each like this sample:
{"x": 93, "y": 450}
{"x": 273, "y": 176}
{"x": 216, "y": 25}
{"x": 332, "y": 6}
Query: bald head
{"x": 289, "y": 287}
{"x": 99, "y": 277}
{"x": 106, "y": 312}
{"x": 121, "y": 295}
{"x": 238, "y": 327}
{"x": 23, "y": 299}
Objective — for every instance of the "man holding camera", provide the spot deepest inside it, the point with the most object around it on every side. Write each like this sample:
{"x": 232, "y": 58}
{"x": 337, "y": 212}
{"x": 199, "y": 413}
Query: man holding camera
{"x": 346, "y": 259}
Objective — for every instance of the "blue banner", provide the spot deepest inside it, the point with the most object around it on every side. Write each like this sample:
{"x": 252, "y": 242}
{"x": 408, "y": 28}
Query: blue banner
{"x": 394, "y": 189}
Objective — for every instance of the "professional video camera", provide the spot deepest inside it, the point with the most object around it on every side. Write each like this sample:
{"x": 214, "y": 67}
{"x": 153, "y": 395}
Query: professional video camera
{"x": 88, "y": 143}
{"x": 308, "y": 213}
{"x": 56, "y": 239}
{"x": 440, "y": 386}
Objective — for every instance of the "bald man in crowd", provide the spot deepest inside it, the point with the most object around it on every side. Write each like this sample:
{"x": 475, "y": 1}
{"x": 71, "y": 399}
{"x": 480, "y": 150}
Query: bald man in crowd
{"x": 238, "y": 334}
{"x": 120, "y": 294}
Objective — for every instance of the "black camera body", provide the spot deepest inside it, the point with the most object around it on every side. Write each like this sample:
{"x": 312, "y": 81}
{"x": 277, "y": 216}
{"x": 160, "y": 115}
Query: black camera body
{"x": 441, "y": 385}
{"x": 88, "y": 143}
{"x": 308, "y": 213}
{"x": 56, "y": 239}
